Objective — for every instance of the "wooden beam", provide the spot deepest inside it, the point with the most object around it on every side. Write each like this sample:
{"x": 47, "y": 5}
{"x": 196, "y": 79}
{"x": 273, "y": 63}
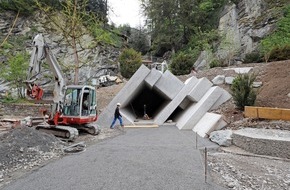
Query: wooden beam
{"x": 267, "y": 113}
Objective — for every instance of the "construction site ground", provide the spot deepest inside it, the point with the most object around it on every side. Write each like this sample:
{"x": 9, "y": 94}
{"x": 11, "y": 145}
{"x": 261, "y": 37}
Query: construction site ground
{"x": 24, "y": 150}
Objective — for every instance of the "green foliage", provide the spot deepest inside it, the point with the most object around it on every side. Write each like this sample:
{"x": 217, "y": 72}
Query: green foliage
{"x": 204, "y": 40}
{"x": 26, "y": 7}
{"x": 182, "y": 63}
{"x": 15, "y": 71}
{"x": 9, "y": 99}
{"x": 280, "y": 53}
{"x": 101, "y": 35}
{"x": 215, "y": 63}
{"x": 130, "y": 61}
{"x": 138, "y": 41}
{"x": 242, "y": 90}
{"x": 280, "y": 38}
{"x": 254, "y": 57}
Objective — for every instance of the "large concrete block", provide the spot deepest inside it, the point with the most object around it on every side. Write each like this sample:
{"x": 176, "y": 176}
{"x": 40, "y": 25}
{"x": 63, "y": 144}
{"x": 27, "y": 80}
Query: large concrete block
{"x": 124, "y": 96}
{"x": 222, "y": 99}
{"x": 195, "y": 112}
{"x": 168, "y": 85}
{"x": 200, "y": 89}
{"x": 207, "y": 124}
{"x": 153, "y": 77}
{"x": 177, "y": 101}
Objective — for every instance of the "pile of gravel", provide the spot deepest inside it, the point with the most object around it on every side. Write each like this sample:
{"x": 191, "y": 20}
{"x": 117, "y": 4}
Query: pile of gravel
{"x": 24, "y": 148}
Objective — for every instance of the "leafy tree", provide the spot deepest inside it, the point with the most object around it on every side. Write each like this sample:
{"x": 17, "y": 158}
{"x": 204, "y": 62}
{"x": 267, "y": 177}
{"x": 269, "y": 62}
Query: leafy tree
{"x": 175, "y": 22}
{"x": 242, "y": 90}
{"x": 138, "y": 41}
{"x": 70, "y": 22}
{"x": 15, "y": 71}
{"x": 130, "y": 61}
{"x": 99, "y": 8}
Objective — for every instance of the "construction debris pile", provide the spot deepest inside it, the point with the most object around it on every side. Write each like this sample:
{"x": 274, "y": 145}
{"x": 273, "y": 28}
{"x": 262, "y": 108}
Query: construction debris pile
{"x": 24, "y": 148}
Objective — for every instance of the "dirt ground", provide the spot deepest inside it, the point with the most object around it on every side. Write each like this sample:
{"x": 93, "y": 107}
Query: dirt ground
{"x": 231, "y": 167}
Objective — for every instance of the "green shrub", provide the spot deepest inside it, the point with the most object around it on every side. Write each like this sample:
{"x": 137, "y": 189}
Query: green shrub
{"x": 253, "y": 57}
{"x": 280, "y": 53}
{"x": 130, "y": 60}
{"x": 215, "y": 63}
{"x": 242, "y": 90}
{"x": 182, "y": 63}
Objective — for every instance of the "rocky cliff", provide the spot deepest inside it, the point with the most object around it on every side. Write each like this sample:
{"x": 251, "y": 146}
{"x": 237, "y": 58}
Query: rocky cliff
{"x": 92, "y": 55}
{"x": 245, "y": 23}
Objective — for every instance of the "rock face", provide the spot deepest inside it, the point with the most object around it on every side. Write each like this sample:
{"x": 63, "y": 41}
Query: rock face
{"x": 91, "y": 55}
{"x": 243, "y": 25}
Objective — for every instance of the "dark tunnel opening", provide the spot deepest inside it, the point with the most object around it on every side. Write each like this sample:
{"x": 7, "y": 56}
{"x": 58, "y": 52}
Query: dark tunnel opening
{"x": 184, "y": 105}
{"x": 175, "y": 114}
{"x": 147, "y": 101}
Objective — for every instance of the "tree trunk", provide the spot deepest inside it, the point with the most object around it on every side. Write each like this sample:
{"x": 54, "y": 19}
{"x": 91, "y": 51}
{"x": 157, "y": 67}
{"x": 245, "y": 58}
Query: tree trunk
{"x": 76, "y": 58}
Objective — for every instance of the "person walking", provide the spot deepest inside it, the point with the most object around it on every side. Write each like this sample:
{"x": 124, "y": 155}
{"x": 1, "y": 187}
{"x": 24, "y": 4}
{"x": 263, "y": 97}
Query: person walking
{"x": 118, "y": 116}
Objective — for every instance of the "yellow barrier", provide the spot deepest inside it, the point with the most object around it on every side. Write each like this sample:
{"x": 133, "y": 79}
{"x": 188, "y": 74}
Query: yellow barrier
{"x": 267, "y": 113}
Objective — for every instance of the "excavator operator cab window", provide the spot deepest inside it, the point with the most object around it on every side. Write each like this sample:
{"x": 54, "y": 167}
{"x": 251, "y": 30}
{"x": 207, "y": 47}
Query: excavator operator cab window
{"x": 86, "y": 103}
{"x": 71, "y": 102}
{"x": 89, "y": 102}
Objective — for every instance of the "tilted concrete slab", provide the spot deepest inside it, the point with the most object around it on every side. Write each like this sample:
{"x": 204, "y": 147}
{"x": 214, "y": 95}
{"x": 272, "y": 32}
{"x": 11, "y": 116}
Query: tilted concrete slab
{"x": 169, "y": 85}
{"x": 169, "y": 109}
{"x": 208, "y": 123}
{"x": 124, "y": 96}
{"x": 153, "y": 77}
{"x": 222, "y": 99}
{"x": 192, "y": 115}
{"x": 200, "y": 89}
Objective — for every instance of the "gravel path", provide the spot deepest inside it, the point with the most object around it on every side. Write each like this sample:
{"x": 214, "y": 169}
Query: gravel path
{"x": 143, "y": 158}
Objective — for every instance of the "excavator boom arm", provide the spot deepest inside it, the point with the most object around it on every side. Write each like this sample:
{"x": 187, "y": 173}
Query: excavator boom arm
{"x": 41, "y": 51}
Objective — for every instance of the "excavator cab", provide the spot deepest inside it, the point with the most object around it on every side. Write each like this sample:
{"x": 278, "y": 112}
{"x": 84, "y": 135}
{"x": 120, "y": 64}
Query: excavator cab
{"x": 80, "y": 105}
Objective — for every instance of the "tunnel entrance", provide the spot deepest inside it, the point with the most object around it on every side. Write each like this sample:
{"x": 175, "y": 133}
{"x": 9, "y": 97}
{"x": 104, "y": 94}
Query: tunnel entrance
{"x": 147, "y": 101}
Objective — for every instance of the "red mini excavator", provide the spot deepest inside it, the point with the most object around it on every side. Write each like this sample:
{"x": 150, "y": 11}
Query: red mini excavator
{"x": 74, "y": 106}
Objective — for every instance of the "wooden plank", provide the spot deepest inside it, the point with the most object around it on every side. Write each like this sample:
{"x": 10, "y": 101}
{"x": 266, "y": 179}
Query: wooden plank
{"x": 285, "y": 115}
{"x": 251, "y": 112}
{"x": 269, "y": 113}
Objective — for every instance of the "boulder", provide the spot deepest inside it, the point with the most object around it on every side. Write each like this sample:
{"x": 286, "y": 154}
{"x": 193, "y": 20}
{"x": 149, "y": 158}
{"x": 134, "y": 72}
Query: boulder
{"x": 219, "y": 79}
{"x": 222, "y": 137}
{"x": 229, "y": 80}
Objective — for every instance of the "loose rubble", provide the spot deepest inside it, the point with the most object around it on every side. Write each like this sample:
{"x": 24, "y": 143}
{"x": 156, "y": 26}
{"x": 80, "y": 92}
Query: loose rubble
{"x": 25, "y": 148}
{"x": 235, "y": 171}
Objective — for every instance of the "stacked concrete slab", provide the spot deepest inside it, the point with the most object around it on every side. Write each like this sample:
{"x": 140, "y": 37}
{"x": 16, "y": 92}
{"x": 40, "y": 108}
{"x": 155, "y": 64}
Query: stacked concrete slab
{"x": 194, "y": 99}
